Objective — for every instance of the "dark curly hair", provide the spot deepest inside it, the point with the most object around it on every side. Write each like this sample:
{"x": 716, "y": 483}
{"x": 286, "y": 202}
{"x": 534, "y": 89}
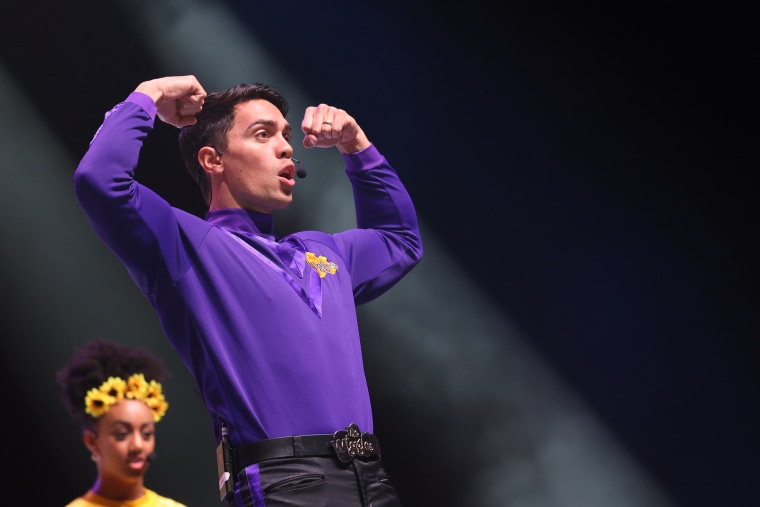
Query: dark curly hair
{"x": 214, "y": 122}
{"x": 93, "y": 363}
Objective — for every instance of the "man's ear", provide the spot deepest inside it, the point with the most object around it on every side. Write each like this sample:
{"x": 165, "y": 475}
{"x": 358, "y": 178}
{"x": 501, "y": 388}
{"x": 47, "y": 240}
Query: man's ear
{"x": 210, "y": 159}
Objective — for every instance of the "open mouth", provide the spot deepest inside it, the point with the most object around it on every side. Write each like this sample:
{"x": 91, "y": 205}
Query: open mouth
{"x": 288, "y": 172}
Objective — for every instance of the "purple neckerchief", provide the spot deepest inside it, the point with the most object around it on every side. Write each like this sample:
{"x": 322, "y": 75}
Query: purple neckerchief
{"x": 295, "y": 259}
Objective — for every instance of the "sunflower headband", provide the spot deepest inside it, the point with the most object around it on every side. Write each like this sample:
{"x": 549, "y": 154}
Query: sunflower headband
{"x": 100, "y": 400}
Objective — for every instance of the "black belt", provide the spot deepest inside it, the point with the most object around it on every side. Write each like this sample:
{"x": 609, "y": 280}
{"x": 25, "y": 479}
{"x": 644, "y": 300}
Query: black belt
{"x": 345, "y": 445}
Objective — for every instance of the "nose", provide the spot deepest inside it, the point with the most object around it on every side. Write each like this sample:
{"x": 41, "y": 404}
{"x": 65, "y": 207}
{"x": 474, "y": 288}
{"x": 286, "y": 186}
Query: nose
{"x": 287, "y": 149}
{"x": 137, "y": 442}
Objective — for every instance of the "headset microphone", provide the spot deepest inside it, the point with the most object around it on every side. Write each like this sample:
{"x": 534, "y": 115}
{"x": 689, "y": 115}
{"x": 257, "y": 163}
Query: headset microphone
{"x": 300, "y": 172}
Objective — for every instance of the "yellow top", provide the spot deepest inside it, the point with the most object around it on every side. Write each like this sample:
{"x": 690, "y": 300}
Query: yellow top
{"x": 149, "y": 499}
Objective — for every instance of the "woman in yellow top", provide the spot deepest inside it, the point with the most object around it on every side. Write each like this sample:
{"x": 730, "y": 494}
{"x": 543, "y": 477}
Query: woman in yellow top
{"x": 114, "y": 392}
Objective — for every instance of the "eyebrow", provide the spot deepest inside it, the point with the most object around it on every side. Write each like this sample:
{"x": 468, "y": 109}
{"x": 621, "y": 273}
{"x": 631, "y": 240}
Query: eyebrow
{"x": 269, "y": 123}
{"x": 116, "y": 424}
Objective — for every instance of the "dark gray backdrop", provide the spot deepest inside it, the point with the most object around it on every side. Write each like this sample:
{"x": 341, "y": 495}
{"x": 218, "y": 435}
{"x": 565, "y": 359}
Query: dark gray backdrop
{"x": 588, "y": 168}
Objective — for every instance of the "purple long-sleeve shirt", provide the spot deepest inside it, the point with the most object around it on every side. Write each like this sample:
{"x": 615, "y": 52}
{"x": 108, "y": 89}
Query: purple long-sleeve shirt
{"x": 267, "y": 326}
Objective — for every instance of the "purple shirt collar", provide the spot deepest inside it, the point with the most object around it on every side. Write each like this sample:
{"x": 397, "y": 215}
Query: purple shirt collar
{"x": 242, "y": 221}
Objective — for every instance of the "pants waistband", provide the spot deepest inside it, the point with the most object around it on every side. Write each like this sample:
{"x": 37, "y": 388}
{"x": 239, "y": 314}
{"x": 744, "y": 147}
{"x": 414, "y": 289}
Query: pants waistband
{"x": 282, "y": 447}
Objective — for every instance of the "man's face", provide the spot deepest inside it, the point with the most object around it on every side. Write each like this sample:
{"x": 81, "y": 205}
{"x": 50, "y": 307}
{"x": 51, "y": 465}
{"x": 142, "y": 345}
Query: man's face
{"x": 258, "y": 171}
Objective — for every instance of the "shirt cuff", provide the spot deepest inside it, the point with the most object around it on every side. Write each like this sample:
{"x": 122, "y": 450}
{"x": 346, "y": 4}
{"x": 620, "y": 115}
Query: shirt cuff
{"x": 143, "y": 101}
{"x": 367, "y": 158}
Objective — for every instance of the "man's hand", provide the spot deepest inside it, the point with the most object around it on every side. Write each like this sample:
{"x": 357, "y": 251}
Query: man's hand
{"x": 325, "y": 126}
{"x": 178, "y": 98}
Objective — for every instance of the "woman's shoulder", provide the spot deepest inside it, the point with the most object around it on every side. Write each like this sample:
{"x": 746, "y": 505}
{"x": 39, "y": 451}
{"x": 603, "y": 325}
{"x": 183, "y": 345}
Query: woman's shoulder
{"x": 168, "y": 502}
{"x": 163, "y": 501}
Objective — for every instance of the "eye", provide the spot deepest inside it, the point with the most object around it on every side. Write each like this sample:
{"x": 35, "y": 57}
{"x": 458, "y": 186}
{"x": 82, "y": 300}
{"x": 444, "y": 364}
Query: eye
{"x": 147, "y": 435}
{"x": 120, "y": 435}
{"x": 262, "y": 134}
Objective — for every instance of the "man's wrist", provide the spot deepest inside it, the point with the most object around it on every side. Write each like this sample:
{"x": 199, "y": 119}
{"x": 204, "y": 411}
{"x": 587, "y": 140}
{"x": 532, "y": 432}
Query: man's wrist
{"x": 151, "y": 89}
{"x": 359, "y": 143}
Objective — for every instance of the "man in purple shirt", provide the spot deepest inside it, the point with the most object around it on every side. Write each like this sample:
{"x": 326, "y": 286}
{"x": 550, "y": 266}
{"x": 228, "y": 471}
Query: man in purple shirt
{"x": 266, "y": 325}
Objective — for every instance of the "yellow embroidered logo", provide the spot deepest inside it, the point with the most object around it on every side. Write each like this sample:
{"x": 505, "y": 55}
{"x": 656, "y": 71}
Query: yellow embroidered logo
{"x": 321, "y": 264}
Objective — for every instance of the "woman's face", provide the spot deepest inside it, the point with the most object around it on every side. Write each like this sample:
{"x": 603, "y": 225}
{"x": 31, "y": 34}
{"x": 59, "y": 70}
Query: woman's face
{"x": 124, "y": 440}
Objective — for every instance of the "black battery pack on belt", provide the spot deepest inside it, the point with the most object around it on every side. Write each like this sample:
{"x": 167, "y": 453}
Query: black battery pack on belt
{"x": 224, "y": 467}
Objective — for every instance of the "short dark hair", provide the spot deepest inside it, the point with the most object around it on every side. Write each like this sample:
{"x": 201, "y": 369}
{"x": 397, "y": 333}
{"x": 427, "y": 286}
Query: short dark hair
{"x": 93, "y": 363}
{"x": 214, "y": 122}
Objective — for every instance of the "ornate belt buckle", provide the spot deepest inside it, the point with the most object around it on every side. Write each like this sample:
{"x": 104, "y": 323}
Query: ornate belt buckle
{"x": 351, "y": 443}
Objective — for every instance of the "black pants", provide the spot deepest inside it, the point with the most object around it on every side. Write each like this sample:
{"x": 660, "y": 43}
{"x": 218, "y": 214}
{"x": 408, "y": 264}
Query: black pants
{"x": 315, "y": 482}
